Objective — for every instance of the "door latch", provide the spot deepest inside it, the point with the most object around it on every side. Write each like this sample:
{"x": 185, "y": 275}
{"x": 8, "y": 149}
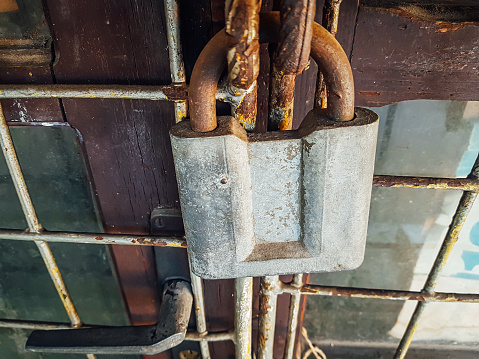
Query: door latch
{"x": 169, "y": 331}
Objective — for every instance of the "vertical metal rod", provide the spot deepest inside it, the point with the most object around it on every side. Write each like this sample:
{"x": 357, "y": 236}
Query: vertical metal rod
{"x": 57, "y": 279}
{"x": 330, "y": 22}
{"x": 290, "y": 59}
{"x": 198, "y": 294}
{"x": 34, "y": 225}
{"x": 452, "y": 235}
{"x": 177, "y": 66}
{"x": 293, "y": 317}
{"x": 242, "y": 23}
{"x": 267, "y": 317}
{"x": 17, "y": 175}
{"x": 178, "y": 77}
{"x": 243, "y": 316}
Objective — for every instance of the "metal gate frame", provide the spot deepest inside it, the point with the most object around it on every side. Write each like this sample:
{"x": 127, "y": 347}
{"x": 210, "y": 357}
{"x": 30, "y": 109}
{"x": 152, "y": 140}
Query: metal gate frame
{"x": 271, "y": 286}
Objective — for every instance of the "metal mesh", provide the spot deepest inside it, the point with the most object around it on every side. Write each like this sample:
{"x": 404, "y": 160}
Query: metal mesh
{"x": 271, "y": 286}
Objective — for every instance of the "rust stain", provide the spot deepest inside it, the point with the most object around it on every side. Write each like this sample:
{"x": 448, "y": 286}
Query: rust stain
{"x": 242, "y": 23}
{"x": 176, "y": 93}
{"x": 262, "y": 340}
{"x": 417, "y": 13}
{"x": 307, "y": 290}
{"x": 204, "y": 82}
{"x": 264, "y": 307}
{"x": 281, "y": 101}
{"x": 98, "y": 238}
{"x": 443, "y": 26}
{"x": 8, "y": 6}
{"x": 246, "y": 111}
{"x": 369, "y": 93}
{"x": 292, "y": 54}
{"x": 464, "y": 184}
{"x": 157, "y": 242}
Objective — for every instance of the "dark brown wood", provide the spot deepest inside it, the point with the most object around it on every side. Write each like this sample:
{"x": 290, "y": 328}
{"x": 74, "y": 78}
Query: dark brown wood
{"x": 348, "y": 12}
{"x": 197, "y": 29}
{"x": 30, "y": 110}
{"x": 138, "y": 287}
{"x": 263, "y": 79}
{"x": 402, "y": 55}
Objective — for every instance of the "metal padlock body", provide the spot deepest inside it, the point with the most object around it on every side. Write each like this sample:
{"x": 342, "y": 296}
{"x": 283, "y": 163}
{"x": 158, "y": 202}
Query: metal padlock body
{"x": 278, "y": 202}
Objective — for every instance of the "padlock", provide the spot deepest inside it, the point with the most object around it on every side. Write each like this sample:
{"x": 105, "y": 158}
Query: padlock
{"x": 277, "y": 202}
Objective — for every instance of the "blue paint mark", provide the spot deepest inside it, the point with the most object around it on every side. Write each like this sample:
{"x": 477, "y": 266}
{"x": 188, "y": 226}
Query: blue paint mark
{"x": 474, "y": 234}
{"x": 470, "y": 259}
{"x": 470, "y": 155}
{"x": 467, "y": 276}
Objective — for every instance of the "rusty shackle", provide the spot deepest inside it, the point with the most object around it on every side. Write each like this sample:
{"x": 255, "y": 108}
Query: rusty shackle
{"x": 325, "y": 50}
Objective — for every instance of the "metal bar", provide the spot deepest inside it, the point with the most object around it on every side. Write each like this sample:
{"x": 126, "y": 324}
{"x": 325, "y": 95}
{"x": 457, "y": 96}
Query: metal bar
{"x": 245, "y": 111}
{"x": 290, "y": 59}
{"x": 281, "y": 101}
{"x": 177, "y": 66}
{"x": 243, "y": 316}
{"x": 132, "y": 92}
{"x": 34, "y": 325}
{"x": 178, "y": 75}
{"x": 242, "y": 23}
{"x": 38, "y": 325}
{"x": 17, "y": 176}
{"x": 211, "y": 337}
{"x": 34, "y": 225}
{"x": 199, "y": 300}
{"x": 267, "y": 315}
{"x": 452, "y": 235}
{"x": 293, "y": 317}
{"x": 330, "y": 21}
{"x": 57, "y": 279}
{"x": 462, "y": 184}
{"x": 367, "y": 293}
{"x": 94, "y": 238}
{"x": 177, "y": 93}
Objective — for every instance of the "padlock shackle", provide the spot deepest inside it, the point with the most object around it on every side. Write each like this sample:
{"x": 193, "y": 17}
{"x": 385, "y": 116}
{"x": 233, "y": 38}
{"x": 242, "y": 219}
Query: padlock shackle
{"x": 325, "y": 50}
{"x": 333, "y": 62}
{"x": 204, "y": 81}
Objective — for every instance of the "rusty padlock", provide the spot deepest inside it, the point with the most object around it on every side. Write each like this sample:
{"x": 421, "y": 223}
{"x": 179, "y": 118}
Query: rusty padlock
{"x": 278, "y": 202}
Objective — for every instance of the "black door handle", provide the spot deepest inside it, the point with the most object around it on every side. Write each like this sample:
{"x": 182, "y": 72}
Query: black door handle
{"x": 169, "y": 331}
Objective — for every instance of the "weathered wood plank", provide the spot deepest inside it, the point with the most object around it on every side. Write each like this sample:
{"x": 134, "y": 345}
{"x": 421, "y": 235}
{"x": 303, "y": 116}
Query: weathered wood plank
{"x": 400, "y": 55}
